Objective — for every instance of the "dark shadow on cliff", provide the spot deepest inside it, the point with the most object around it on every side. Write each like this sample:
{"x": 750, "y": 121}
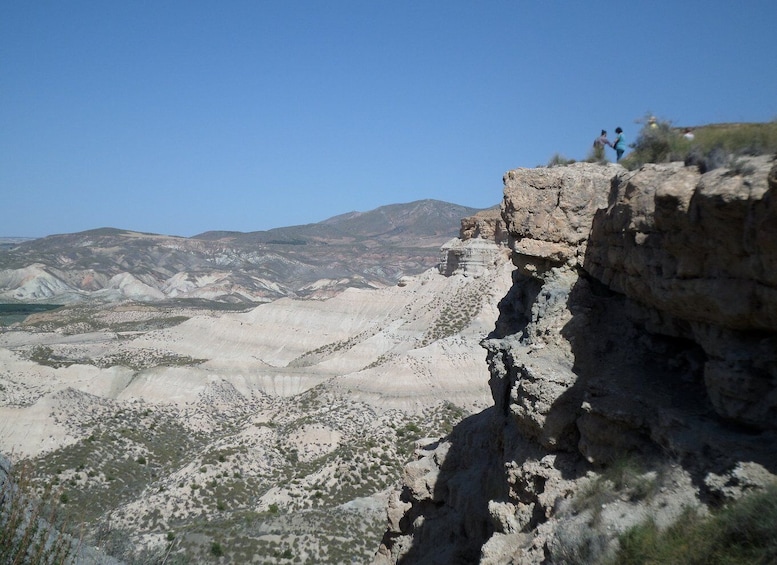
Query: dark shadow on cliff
{"x": 451, "y": 524}
{"x": 515, "y": 306}
{"x": 641, "y": 393}
{"x": 640, "y": 385}
{"x": 633, "y": 393}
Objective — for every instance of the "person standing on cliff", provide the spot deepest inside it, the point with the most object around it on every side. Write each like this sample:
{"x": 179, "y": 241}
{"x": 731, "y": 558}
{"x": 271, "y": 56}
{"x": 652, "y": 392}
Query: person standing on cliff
{"x": 620, "y": 144}
{"x": 599, "y": 144}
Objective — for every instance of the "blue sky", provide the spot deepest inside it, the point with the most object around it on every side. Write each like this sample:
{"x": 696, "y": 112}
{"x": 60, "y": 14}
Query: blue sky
{"x": 179, "y": 117}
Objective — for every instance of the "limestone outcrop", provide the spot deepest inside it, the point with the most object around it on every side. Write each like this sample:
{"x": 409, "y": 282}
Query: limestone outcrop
{"x": 638, "y": 334}
{"x": 699, "y": 252}
{"x": 702, "y": 248}
{"x": 480, "y": 246}
{"x": 548, "y": 212}
{"x": 471, "y": 257}
{"x": 486, "y": 224}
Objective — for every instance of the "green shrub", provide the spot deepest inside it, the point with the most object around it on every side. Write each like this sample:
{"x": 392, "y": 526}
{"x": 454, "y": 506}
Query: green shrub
{"x": 743, "y": 532}
{"x": 216, "y": 550}
{"x": 712, "y": 146}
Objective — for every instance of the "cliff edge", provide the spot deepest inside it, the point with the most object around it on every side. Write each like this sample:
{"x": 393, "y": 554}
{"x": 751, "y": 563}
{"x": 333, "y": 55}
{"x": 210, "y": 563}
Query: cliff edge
{"x": 633, "y": 369}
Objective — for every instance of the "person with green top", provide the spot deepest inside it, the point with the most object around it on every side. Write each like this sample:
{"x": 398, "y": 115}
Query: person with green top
{"x": 620, "y": 144}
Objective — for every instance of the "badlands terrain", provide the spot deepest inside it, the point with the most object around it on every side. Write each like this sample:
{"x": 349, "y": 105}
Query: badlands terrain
{"x": 189, "y": 431}
{"x": 630, "y": 365}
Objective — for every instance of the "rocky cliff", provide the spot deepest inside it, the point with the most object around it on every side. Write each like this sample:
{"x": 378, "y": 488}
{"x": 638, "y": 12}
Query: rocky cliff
{"x": 633, "y": 369}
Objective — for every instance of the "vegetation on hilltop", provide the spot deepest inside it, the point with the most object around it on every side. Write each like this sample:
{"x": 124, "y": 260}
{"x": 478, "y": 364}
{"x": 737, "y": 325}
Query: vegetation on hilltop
{"x": 712, "y": 146}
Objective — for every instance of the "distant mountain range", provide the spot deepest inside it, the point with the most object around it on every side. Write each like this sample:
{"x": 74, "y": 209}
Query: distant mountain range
{"x": 357, "y": 249}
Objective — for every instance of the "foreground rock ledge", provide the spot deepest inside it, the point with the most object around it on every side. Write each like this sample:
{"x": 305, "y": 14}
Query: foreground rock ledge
{"x": 641, "y": 327}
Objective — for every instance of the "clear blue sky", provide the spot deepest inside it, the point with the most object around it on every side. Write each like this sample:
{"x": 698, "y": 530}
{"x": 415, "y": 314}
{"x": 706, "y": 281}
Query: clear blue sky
{"x": 179, "y": 117}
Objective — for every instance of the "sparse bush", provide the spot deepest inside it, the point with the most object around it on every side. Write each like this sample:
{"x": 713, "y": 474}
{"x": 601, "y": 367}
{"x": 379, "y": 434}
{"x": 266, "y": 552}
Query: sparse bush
{"x": 578, "y": 544}
{"x": 216, "y": 550}
{"x": 413, "y": 428}
{"x": 706, "y": 161}
{"x": 712, "y": 146}
{"x": 743, "y": 532}
{"x": 558, "y": 160}
{"x": 657, "y": 142}
{"x": 44, "y": 355}
{"x": 738, "y": 166}
{"x": 626, "y": 477}
{"x": 27, "y": 534}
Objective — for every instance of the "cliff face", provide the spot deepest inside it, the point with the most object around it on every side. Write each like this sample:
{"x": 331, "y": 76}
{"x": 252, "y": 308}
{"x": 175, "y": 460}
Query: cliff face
{"x": 699, "y": 252}
{"x": 639, "y": 333}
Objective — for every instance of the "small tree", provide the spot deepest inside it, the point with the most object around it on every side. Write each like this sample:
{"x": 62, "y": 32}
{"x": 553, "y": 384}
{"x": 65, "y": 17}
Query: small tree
{"x": 657, "y": 142}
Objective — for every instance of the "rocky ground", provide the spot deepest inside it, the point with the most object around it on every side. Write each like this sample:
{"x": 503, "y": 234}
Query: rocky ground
{"x": 268, "y": 435}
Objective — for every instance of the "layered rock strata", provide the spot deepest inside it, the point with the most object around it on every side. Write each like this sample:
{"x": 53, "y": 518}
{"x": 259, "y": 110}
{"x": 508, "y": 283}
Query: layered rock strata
{"x": 639, "y": 333}
{"x": 479, "y": 247}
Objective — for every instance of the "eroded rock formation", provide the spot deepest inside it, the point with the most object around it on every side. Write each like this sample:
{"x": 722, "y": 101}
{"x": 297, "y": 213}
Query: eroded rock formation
{"x": 479, "y": 247}
{"x": 486, "y": 224}
{"x": 639, "y": 331}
